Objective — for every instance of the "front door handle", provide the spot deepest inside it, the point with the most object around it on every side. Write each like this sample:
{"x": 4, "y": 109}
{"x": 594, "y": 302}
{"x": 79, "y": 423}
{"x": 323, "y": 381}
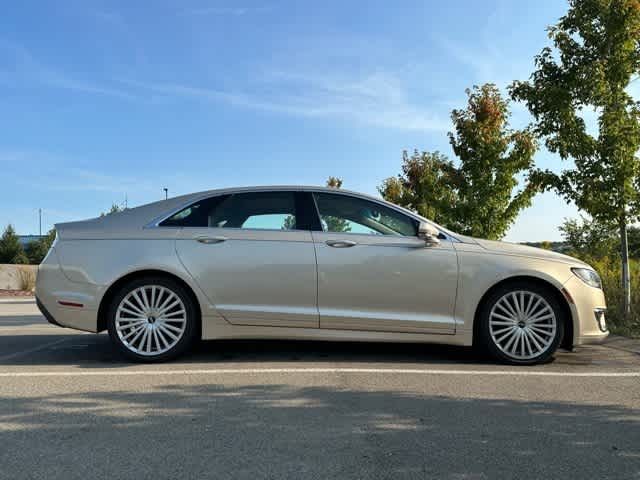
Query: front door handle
{"x": 211, "y": 240}
{"x": 341, "y": 243}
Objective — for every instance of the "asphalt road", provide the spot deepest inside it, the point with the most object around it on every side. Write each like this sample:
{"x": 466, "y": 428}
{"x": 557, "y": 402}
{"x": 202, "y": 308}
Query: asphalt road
{"x": 70, "y": 408}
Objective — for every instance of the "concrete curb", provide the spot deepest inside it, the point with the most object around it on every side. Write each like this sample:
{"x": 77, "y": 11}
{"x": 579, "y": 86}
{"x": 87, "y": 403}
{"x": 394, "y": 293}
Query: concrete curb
{"x": 17, "y": 300}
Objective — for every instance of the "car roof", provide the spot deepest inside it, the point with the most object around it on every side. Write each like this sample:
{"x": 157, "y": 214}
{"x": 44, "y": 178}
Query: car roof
{"x": 262, "y": 188}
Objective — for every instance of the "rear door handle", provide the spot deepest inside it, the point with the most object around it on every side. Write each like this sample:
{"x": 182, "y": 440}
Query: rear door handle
{"x": 211, "y": 240}
{"x": 341, "y": 243}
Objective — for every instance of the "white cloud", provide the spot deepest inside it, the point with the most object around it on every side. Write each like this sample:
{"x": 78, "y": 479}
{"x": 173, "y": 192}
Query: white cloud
{"x": 47, "y": 165}
{"x": 27, "y": 70}
{"x": 77, "y": 180}
{"x": 377, "y": 99}
{"x": 233, "y": 11}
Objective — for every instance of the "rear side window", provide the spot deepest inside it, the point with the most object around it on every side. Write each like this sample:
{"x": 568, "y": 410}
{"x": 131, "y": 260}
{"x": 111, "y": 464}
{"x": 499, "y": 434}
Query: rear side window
{"x": 257, "y": 210}
{"x": 251, "y": 210}
{"x": 195, "y": 215}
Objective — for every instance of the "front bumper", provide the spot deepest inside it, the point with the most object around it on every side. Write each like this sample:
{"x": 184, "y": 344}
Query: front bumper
{"x": 591, "y": 339}
{"x": 588, "y": 308}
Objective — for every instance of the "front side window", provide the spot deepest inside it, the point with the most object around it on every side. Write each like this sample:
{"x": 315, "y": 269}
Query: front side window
{"x": 346, "y": 214}
{"x": 251, "y": 210}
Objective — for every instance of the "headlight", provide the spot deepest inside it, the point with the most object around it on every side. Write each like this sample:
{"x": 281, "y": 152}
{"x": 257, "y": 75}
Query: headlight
{"x": 588, "y": 276}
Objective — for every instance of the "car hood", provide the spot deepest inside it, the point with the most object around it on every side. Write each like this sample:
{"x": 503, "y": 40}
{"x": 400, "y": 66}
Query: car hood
{"x": 507, "y": 248}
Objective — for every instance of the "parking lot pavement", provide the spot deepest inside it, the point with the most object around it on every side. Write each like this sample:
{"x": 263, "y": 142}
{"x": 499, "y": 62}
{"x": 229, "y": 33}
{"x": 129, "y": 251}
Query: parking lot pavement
{"x": 70, "y": 408}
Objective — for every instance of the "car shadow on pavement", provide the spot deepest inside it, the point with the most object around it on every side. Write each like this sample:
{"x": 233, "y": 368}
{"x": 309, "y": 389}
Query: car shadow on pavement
{"x": 145, "y": 430}
{"x": 275, "y": 351}
{"x": 96, "y": 351}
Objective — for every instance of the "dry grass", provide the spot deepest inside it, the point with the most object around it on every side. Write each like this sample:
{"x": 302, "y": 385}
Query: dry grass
{"x": 26, "y": 278}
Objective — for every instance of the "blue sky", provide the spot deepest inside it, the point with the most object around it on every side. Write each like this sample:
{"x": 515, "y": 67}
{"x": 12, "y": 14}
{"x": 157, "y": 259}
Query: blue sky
{"x": 106, "y": 99}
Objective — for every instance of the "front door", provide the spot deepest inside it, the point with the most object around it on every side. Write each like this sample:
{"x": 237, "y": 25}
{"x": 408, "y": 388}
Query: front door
{"x": 374, "y": 273}
{"x": 254, "y": 258}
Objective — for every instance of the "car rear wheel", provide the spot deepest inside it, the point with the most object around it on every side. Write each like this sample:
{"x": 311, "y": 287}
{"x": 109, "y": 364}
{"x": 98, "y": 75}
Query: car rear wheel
{"x": 152, "y": 319}
{"x": 521, "y": 323}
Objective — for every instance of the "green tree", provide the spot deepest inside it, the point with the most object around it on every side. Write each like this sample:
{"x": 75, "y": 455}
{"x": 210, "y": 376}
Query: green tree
{"x": 115, "y": 208}
{"x": 37, "y": 249}
{"x": 596, "y": 53}
{"x": 334, "y": 182}
{"x": 424, "y": 186}
{"x": 479, "y": 197}
{"x": 492, "y": 157}
{"x": 11, "y": 250}
{"x": 589, "y": 238}
{"x": 633, "y": 234}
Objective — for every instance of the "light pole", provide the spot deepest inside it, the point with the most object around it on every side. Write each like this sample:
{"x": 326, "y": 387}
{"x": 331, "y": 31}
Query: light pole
{"x": 40, "y": 222}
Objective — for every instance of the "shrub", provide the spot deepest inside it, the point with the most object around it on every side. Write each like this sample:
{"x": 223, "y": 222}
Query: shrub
{"x": 27, "y": 278}
{"x": 37, "y": 249}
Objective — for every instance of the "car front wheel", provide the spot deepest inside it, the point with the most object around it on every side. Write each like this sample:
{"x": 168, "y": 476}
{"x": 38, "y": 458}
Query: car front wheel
{"x": 521, "y": 323}
{"x": 152, "y": 319}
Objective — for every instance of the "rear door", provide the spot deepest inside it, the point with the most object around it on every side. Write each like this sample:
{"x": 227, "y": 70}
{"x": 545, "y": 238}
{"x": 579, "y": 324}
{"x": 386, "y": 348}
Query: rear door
{"x": 252, "y": 254}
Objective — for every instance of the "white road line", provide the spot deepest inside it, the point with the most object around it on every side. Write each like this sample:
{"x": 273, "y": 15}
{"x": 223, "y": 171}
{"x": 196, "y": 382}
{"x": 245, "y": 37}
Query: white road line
{"x": 32, "y": 350}
{"x": 256, "y": 371}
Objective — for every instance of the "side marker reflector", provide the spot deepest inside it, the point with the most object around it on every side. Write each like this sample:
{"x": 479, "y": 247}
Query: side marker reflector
{"x": 70, "y": 304}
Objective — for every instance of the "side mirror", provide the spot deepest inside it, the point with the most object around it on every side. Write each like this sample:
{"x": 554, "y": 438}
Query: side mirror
{"x": 428, "y": 233}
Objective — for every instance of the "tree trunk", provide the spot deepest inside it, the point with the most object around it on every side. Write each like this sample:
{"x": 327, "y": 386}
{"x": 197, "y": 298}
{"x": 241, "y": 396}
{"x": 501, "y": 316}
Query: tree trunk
{"x": 626, "y": 279}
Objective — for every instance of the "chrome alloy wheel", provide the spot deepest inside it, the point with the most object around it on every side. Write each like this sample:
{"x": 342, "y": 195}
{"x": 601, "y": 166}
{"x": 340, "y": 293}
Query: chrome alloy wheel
{"x": 523, "y": 325}
{"x": 150, "y": 320}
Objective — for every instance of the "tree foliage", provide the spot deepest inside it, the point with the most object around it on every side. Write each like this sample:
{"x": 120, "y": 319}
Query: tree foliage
{"x": 588, "y": 238}
{"x": 492, "y": 157}
{"x": 596, "y": 53}
{"x": 334, "y": 182}
{"x": 479, "y": 197}
{"x": 424, "y": 186}
{"x": 37, "y": 249}
{"x": 11, "y": 250}
{"x": 115, "y": 208}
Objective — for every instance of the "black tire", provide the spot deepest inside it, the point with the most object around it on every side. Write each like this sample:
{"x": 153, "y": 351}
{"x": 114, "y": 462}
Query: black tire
{"x": 486, "y": 341}
{"x": 191, "y": 328}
